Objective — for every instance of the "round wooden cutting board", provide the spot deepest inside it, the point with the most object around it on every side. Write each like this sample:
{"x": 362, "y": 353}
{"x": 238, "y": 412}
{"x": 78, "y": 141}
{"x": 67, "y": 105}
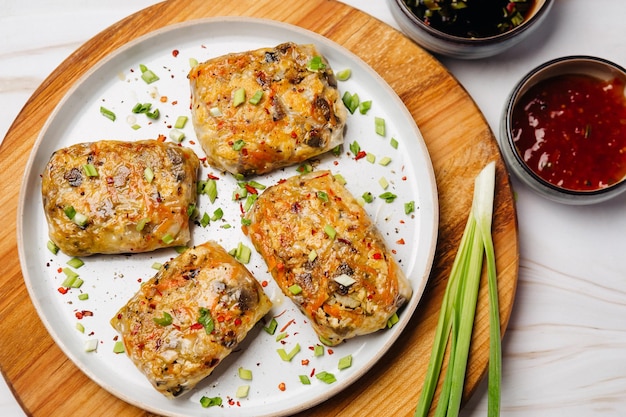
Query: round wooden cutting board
{"x": 460, "y": 143}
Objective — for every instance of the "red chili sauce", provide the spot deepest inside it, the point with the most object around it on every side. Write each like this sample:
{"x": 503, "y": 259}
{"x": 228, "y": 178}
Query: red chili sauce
{"x": 571, "y": 131}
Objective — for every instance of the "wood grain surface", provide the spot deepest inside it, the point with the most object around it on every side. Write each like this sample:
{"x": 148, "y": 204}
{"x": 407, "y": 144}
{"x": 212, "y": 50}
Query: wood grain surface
{"x": 46, "y": 382}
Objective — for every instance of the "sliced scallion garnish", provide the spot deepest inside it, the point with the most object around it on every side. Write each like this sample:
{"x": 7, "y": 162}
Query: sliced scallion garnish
{"x": 379, "y": 125}
{"x": 304, "y": 380}
{"x": 207, "y": 402}
{"x": 206, "y": 320}
{"x": 167, "y": 239}
{"x": 256, "y": 98}
{"x": 75, "y": 262}
{"x": 271, "y": 327}
{"x": 326, "y": 377}
{"x": 365, "y": 106}
{"x": 107, "y": 113}
{"x": 166, "y": 320}
{"x": 330, "y": 231}
{"x": 242, "y": 391}
{"x": 148, "y": 174}
{"x": 52, "y": 247}
{"x": 295, "y": 289}
{"x": 90, "y": 170}
{"x": 245, "y": 374}
{"x": 181, "y": 121}
{"x": 345, "y": 362}
{"x": 118, "y": 347}
{"x": 388, "y": 196}
{"x": 287, "y": 357}
{"x": 177, "y": 135}
{"x": 147, "y": 75}
{"x": 343, "y": 75}
{"x": 239, "y": 97}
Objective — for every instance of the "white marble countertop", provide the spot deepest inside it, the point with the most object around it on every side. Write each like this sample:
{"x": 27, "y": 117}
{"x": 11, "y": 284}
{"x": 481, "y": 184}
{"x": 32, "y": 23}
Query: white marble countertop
{"x": 564, "y": 353}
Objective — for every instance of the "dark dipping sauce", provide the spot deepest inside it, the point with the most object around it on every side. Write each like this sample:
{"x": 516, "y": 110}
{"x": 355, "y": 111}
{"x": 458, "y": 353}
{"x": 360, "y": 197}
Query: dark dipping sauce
{"x": 471, "y": 18}
{"x": 571, "y": 131}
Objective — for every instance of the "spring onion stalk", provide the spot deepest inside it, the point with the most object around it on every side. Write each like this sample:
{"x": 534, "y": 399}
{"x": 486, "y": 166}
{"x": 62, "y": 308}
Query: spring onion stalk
{"x": 458, "y": 309}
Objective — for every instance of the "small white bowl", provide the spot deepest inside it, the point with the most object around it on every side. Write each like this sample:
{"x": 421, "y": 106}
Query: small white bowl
{"x": 442, "y": 43}
{"x": 569, "y": 65}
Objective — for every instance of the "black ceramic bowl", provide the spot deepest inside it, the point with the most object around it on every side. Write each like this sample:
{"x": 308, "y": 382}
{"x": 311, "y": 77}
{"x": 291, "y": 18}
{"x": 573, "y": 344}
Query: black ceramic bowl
{"x": 597, "y": 151}
{"x": 443, "y": 43}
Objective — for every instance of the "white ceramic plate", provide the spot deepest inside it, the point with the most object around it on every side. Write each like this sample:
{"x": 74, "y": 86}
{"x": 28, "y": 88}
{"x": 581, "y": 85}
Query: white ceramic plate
{"x": 109, "y": 281}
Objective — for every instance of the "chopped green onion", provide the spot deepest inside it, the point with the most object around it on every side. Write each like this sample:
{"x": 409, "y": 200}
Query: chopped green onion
{"x": 340, "y": 179}
{"x": 287, "y": 357}
{"x": 281, "y": 336}
{"x": 351, "y": 101}
{"x": 153, "y": 114}
{"x": 84, "y": 296}
{"x": 323, "y": 196}
{"x": 135, "y": 126}
{"x": 239, "y": 97}
{"x": 215, "y": 112}
{"x": 90, "y": 170}
{"x": 242, "y": 253}
{"x": 312, "y": 255}
{"x": 242, "y": 391}
{"x": 177, "y": 135}
{"x": 147, "y": 75}
{"x": 368, "y": 197}
{"x": 337, "y": 150}
{"x": 315, "y": 64}
{"x": 456, "y": 317}
{"x": 385, "y": 160}
{"x": 206, "y": 320}
{"x": 141, "y": 224}
{"x": 81, "y": 220}
{"x": 167, "y": 239}
{"x": 388, "y": 197}
{"x": 256, "y": 98}
{"x": 305, "y": 168}
{"x": 217, "y": 214}
{"x": 181, "y": 249}
{"x": 208, "y": 187}
{"x": 344, "y": 280}
{"x": 75, "y": 262}
{"x": 256, "y": 185}
{"x": 295, "y": 289}
{"x": 392, "y": 320}
{"x": 107, "y": 113}
{"x": 409, "y": 207}
{"x": 141, "y": 108}
{"x": 326, "y": 377}
{"x": 193, "y": 62}
{"x": 52, "y": 247}
{"x": 318, "y": 350}
{"x": 245, "y": 222}
{"x": 71, "y": 280}
{"x": 70, "y": 212}
{"x": 271, "y": 327}
{"x": 343, "y": 75}
{"x": 166, "y": 320}
{"x": 379, "y": 124}
{"x": 370, "y": 157}
{"x": 157, "y": 265}
{"x": 365, "y": 106}
{"x": 394, "y": 143}
{"x": 383, "y": 183}
{"x": 207, "y": 402}
{"x": 245, "y": 374}
{"x": 181, "y": 121}
{"x": 345, "y": 362}
{"x": 80, "y": 327}
{"x": 118, "y": 347}
{"x": 91, "y": 345}
{"x": 250, "y": 201}
{"x": 304, "y": 380}
{"x": 330, "y": 231}
{"x": 191, "y": 210}
{"x": 205, "y": 220}
{"x": 238, "y": 145}
{"x": 355, "y": 148}
{"x": 148, "y": 174}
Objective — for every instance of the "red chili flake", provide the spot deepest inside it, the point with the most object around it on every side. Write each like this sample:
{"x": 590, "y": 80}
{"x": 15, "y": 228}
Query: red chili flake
{"x": 63, "y": 290}
{"x": 280, "y": 181}
{"x": 161, "y": 138}
{"x": 139, "y": 280}
{"x": 305, "y": 362}
{"x": 220, "y": 319}
{"x": 175, "y": 102}
{"x": 312, "y": 372}
{"x": 163, "y": 99}
{"x": 264, "y": 284}
{"x": 400, "y": 241}
{"x": 192, "y": 142}
{"x": 212, "y": 177}
{"x": 360, "y": 155}
{"x": 330, "y": 351}
{"x": 251, "y": 189}
{"x": 237, "y": 321}
{"x": 196, "y": 326}
{"x": 203, "y": 160}
{"x": 282, "y": 386}
{"x": 244, "y": 151}
{"x": 394, "y": 251}
{"x": 119, "y": 316}
{"x": 377, "y": 256}
{"x": 404, "y": 178}
{"x": 294, "y": 134}
{"x": 175, "y": 53}
{"x": 289, "y": 323}
{"x": 231, "y": 401}
{"x": 115, "y": 338}
{"x": 336, "y": 163}
{"x": 60, "y": 270}
{"x": 510, "y": 7}
{"x": 83, "y": 313}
